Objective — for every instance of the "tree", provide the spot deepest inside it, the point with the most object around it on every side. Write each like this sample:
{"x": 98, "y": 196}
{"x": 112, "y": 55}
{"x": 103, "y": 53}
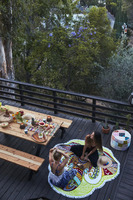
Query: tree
{"x": 115, "y": 82}
{"x": 128, "y": 7}
{"x": 52, "y": 48}
{"x": 19, "y": 22}
{"x": 70, "y": 55}
{"x": 106, "y": 39}
{"x": 88, "y": 2}
{"x": 111, "y": 6}
{"x": 41, "y": 16}
{"x": 6, "y": 66}
{"x": 116, "y": 9}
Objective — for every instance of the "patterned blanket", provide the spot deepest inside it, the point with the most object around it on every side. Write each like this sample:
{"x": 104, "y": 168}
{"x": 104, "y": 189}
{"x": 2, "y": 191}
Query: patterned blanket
{"x": 88, "y": 178}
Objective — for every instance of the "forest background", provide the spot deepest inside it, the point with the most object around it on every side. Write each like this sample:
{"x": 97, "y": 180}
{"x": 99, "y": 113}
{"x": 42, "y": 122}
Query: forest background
{"x": 69, "y": 45}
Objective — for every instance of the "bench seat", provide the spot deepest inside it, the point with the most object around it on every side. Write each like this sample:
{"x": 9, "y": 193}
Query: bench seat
{"x": 21, "y": 158}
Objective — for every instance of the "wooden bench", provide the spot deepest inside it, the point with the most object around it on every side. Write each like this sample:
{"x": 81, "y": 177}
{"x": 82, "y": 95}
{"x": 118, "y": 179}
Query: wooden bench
{"x": 21, "y": 158}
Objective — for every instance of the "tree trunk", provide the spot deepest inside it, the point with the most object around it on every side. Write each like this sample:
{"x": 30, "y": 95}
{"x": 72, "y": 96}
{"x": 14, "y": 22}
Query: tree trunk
{"x": 6, "y": 67}
{"x": 3, "y": 69}
{"x": 8, "y": 54}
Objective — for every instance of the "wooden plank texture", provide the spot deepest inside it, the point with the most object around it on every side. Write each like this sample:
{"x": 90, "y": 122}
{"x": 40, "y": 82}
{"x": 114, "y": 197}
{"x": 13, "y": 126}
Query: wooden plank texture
{"x": 20, "y": 158}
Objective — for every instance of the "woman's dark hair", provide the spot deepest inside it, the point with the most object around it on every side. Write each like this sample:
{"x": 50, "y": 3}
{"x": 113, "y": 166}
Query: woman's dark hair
{"x": 98, "y": 140}
{"x": 57, "y": 155}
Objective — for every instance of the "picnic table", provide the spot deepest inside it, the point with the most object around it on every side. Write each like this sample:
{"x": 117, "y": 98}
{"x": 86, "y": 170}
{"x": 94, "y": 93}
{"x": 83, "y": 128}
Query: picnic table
{"x": 19, "y": 157}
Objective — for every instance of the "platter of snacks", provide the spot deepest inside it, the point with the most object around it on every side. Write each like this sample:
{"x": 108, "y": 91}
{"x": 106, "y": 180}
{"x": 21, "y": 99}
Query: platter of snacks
{"x": 39, "y": 137}
{"x": 5, "y": 118}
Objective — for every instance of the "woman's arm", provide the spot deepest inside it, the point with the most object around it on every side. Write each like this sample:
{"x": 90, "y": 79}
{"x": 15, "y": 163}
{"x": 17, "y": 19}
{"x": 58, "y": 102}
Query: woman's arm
{"x": 83, "y": 153}
{"x": 85, "y": 147}
{"x": 62, "y": 165}
{"x": 51, "y": 156}
{"x": 91, "y": 152}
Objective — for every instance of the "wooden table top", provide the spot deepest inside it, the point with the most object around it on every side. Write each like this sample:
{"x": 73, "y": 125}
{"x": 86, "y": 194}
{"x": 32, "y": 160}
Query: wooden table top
{"x": 14, "y": 128}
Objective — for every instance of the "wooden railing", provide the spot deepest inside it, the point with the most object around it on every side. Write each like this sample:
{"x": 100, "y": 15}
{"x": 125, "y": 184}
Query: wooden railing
{"x": 71, "y": 103}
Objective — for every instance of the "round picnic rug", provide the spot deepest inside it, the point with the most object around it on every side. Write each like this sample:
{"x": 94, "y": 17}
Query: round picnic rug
{"x": 88, "y": 178}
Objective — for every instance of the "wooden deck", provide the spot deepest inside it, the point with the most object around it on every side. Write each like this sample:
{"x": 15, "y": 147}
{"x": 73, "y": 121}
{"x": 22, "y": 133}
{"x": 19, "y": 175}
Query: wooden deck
{"x": 14, "y": 183}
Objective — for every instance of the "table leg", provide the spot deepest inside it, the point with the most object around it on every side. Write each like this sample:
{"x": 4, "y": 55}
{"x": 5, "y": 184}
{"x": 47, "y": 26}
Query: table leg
{"x": 63, "y": 131}
{"x": 38, "y": 150}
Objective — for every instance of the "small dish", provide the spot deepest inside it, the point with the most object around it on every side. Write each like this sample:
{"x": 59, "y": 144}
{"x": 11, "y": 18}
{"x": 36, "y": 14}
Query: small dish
{"x": 41, "y": 124}
{"x": 4, "y": 124}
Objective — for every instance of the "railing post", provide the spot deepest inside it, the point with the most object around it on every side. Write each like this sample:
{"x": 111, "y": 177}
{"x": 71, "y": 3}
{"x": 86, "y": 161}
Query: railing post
{"x": 55, "y": 101}
{"x": 21, "y": 94}
{"x": 93, "y": 110}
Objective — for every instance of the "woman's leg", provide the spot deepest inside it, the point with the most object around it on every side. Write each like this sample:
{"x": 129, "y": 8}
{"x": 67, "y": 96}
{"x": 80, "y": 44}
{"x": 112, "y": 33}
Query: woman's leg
{"x": 77, "y": 150}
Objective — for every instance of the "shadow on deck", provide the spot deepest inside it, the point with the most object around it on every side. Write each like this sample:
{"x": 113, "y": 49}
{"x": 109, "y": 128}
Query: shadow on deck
{"x": 14, "y": 184}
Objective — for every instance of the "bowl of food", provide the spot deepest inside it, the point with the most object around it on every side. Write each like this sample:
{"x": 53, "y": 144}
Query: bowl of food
{"x": 41, "y": 124}
{"x": 4, "y": 124}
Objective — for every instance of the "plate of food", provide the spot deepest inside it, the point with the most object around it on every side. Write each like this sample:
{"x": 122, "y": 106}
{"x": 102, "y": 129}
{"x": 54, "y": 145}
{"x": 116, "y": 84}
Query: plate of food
{"x": 39, "y": 137}
{"x": 28, "y": 116}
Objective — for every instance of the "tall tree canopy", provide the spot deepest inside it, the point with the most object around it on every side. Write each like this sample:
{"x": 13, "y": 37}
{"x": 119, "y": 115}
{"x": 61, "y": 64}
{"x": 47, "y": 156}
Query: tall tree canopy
{"x": 19, "y": 22}
{"x": 56, "y": 45}
{"x": 116, "y": 81}
{"x": 68, "y": 52}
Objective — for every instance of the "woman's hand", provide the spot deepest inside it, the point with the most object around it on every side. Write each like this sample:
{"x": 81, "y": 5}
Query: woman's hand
{"x": 82, "y": 157}
{"x": 86, "y": 158}
{"x": 52, "y": 149}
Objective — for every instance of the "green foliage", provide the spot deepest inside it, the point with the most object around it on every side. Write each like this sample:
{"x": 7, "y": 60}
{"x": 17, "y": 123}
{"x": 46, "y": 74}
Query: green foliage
{"x": 88, "y": 2}
{"x": 51, "y": 48}
{"x": 69, "y": 57}
{"x": 98, "y": 18}
{"x": 116, "y": 81}
{"x": 127, "y": 7}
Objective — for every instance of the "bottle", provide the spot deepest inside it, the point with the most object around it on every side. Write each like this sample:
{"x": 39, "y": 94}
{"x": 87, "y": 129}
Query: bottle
{"x": 33, "y": 122}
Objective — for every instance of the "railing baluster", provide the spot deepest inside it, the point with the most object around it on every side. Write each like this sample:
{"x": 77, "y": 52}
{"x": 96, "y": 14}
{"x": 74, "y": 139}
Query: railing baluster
{"x": 21, "y": 94}
{"x": 55, "y": 101}
{"x": 93, "y": 110}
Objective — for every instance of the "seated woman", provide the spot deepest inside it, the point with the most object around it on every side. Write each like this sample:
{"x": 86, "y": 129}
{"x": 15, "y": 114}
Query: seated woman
{"x": 89, "y": 151}
{"x": 58, "y": 175}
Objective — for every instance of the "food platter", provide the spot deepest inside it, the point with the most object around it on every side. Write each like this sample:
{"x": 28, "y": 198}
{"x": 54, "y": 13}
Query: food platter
{"x": 3, "y": 118}
{"x": 35, "y": 136}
